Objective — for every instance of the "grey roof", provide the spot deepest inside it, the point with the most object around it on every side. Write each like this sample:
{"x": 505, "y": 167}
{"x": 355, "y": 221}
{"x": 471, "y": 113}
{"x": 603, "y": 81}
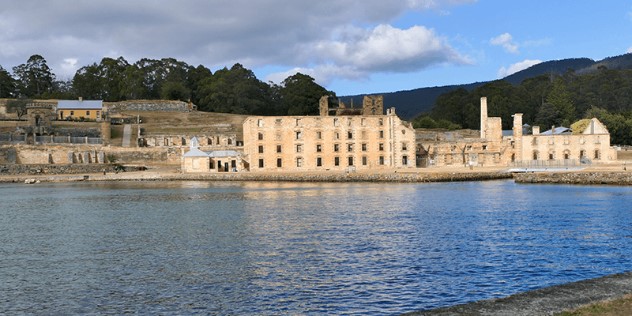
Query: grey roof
{"x": 557, "y": 131}
{"x": 80, "y": 104}
{"x": 223, "y": 153}
{"x": 195, "y": 152}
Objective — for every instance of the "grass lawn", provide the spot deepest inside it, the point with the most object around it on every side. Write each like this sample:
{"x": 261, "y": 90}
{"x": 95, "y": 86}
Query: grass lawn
{"x": 622, "y": 306}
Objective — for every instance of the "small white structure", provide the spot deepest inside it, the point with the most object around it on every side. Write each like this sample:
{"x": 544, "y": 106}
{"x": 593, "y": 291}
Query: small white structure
{"x": 196, "y": 160}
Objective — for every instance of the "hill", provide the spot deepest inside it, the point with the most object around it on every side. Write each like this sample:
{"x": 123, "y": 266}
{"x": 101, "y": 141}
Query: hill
{"x": 411, "y": 103}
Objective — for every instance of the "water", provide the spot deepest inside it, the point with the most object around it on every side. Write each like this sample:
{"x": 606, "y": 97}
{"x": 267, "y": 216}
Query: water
{"x": 290, "y": 248}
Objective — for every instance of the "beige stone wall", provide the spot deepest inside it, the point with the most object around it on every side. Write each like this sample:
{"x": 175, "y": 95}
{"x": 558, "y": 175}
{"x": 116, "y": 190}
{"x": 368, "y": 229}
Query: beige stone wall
{"x": 567, "y": 147}
{"x": 302, "y": 143}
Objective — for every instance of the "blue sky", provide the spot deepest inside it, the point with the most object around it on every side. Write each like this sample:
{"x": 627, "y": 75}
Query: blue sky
{"x": 348, "y": 46}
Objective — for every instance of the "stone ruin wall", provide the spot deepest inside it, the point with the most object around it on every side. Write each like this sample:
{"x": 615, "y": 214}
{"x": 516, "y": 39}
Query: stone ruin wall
{"x": 86, "y": 154}
{"x": 148, "y": 105}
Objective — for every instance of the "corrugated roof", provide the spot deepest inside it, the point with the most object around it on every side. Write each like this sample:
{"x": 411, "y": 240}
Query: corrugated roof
{"x": 80, "y": 105}
{"x": 557, "y": 131}
{"x": 195, "y": 152}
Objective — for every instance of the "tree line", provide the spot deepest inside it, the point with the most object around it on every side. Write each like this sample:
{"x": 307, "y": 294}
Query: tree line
{"x": 228, "y": 90}
{"x": 545, "y": 101}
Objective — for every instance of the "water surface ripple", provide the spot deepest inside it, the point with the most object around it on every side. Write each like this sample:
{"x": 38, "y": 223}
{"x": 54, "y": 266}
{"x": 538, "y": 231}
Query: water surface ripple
{"x": 293, "y": 248}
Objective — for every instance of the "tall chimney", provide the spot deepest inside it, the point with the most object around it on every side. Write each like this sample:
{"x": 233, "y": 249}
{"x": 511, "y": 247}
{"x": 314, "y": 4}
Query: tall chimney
{"x": 483, "y": 117}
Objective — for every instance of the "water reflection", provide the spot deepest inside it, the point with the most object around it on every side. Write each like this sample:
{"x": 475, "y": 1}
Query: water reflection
{"x": 299, "y": 248}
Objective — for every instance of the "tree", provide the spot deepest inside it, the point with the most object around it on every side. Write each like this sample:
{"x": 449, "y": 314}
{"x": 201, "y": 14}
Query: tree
{"x": 7, "y": 84}
{"x": 300, "y": 95}
{"x": 560, "y": 99}
{"x": 235, "y": 90}
{"x": 35, "y": 77}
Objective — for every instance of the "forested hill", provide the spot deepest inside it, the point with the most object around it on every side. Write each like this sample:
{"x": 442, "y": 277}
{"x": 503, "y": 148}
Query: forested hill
{"x": 412, "y": 103}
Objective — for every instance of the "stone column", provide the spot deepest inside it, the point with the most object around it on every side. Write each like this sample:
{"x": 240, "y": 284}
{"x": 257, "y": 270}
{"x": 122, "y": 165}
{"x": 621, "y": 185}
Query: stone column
{"x": 483, "y": 117}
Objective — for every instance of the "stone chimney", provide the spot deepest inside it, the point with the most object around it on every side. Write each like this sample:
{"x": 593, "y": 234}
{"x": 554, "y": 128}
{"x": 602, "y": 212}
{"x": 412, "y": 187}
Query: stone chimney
{"x": 483, "y": 117}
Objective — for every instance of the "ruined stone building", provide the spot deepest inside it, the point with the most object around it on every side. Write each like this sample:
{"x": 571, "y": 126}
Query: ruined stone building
{"x": 351, "y": 139}
{"x": 588, "y": 142}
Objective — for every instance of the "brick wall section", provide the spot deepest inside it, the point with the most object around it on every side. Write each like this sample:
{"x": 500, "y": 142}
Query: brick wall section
{"x": 148, "y": 105}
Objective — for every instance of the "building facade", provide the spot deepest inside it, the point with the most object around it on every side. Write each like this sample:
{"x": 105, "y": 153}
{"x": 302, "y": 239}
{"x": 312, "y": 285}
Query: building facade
{"x": 588, "y": 142}
{"x": 320, "y": 143}
{"x": 80, "y": 109}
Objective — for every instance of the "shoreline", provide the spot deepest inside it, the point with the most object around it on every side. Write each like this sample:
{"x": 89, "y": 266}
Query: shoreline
{"x": 545, "y": 301}
{"x": 599, "y": 175}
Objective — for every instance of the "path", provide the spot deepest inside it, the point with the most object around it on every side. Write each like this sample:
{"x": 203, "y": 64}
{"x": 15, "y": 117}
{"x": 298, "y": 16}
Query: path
{"x": 127, "y": 134}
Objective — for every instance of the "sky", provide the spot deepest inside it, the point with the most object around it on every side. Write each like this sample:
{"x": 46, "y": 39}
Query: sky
{"x": 348, "y": 46}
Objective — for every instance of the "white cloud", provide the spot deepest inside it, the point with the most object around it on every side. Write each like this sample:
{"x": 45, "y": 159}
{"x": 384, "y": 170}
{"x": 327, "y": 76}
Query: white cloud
{"x": 629, "y": 50}
{"x": 317, "y": 35}
{"x": 506, "y": 41}
{"x": 506, "y": 71}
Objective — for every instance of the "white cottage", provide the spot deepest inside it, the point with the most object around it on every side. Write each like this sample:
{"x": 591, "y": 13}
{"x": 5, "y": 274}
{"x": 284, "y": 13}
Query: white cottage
{"x": 196, "y": 160}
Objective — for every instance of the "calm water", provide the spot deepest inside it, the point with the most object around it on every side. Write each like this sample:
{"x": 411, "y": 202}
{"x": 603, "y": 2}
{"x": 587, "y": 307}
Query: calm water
{"x": 286, "y": 248}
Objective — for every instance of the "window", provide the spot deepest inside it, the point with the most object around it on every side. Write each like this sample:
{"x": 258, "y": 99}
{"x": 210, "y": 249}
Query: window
{"x": 278, "y": 121}
{"x": 72, "y": 112}
{"x": 380, "y": 146}
{"x": 319, "y": 135}
{"x": 535, "y": 155}
{"x": 551, "y": 156}
{"x": 98, "y": 114}
{"x": 363, "y": 122}
{"x": 319, "y": 148}
{"x": 364, "y": 148}
{"x": 260, "y": 136}
{"x": 260, "y": 122}
{"x": 349, "y": 147}
{"x": 278, "y": 148}
{"x": 337, "y": 135}
{"x": 260, "y": 149}
{"x": 597, "y": 154}
{"x": 87, "y": 113}
{"x": 381, "y": 122}
{"x": 299, "y": 148}
{"x": 279, "y": 162}
{"x": 405, "y": 147}
{"x": 349, "y": 135}
{"x": 381, "y": 134}
{"x": 298, "y": 122}
{"x": 336, "y": 161}
{"x": 299, "y": 162}
{"x": 260, "y": 163}
{"x": 381, "y": 160}
{"x": 336, "y": 147}
{"x": 336, "y": 122}
{"x": 364, "y": 160}
{"x": 319, "y": 162}
{"x": 405, "y": 160}
{"x": 299, "y": 135}
{"x": 350, "y": 161}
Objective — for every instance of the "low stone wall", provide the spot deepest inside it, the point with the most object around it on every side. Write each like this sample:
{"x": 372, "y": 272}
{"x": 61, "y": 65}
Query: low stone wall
{"x": 150, "y": 105}
{"x": 579, "y": 177}
{"x": 12, "y": 169}
{"x": 345, "y": 177}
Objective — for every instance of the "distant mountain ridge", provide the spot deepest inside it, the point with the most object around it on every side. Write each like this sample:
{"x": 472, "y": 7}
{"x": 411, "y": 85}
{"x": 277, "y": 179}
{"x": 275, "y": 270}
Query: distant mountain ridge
{"x": 410, "y": 103}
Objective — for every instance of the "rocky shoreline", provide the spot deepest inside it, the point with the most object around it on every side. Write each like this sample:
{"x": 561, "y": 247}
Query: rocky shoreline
{"x": 111, "y": 172}
{"x": 545, "y": 301}
{"x": 577, "y": 177}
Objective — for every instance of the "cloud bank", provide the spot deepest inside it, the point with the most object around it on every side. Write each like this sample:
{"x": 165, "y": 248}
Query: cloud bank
{"x": 332, "y": 38}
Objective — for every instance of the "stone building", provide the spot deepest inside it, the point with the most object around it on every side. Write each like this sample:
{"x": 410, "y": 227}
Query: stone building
{"x": 559, "y": 147}
{"x": 318, "y": 143}
{"x": 196, "y": 160}
{"x": 80, "y": 109}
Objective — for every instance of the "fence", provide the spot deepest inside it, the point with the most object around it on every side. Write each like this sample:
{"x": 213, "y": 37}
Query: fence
{"x": 16, "y": 139}
{"x": 564, "y": 163}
